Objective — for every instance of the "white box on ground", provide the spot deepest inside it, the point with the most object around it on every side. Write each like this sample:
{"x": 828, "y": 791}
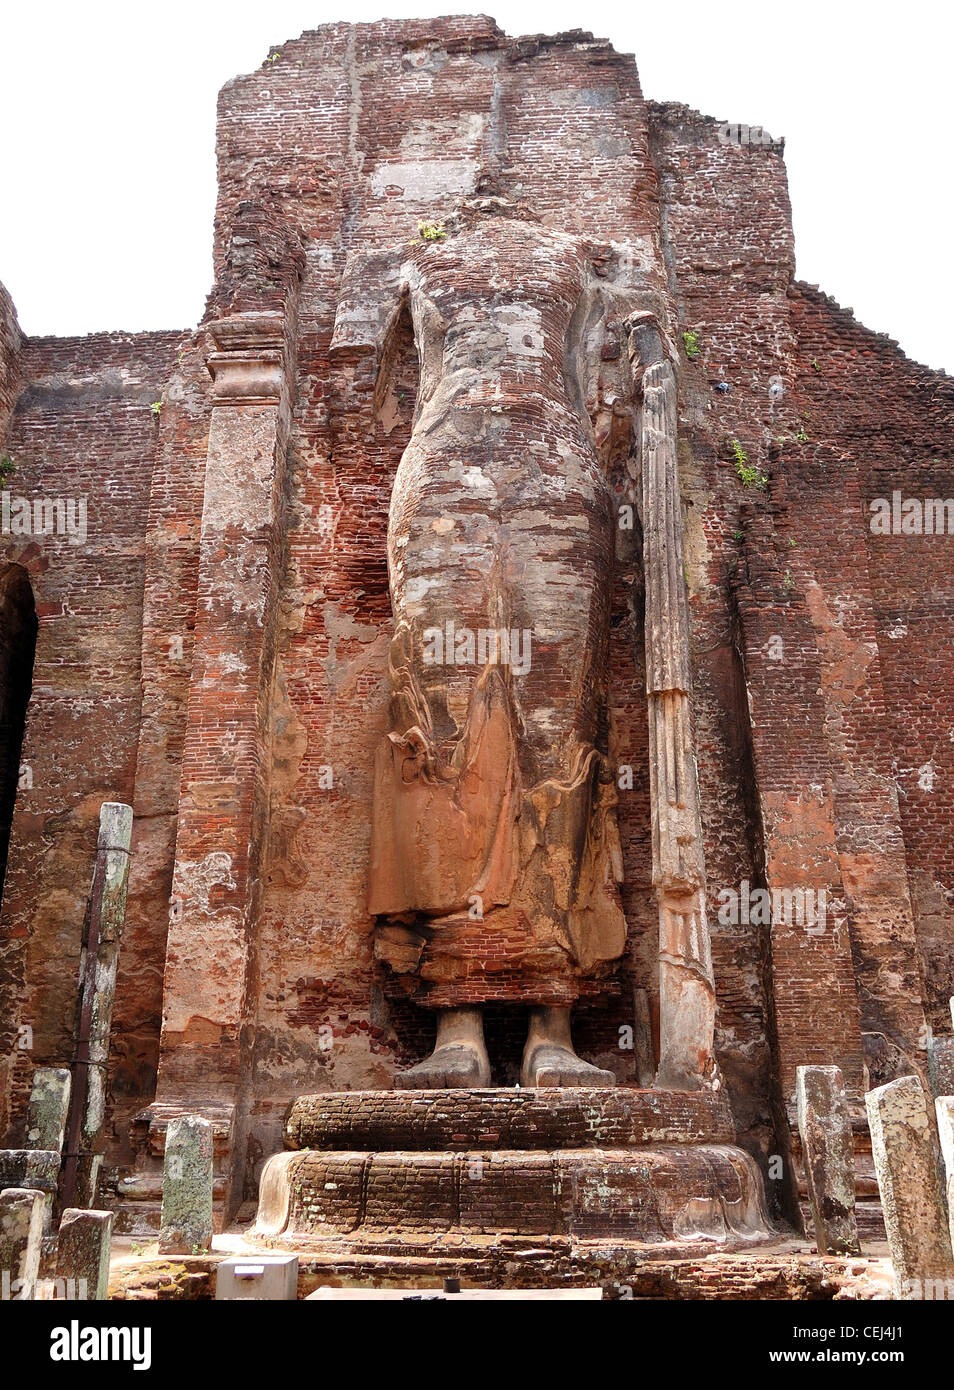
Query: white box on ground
{"x": 257, "y": 1277}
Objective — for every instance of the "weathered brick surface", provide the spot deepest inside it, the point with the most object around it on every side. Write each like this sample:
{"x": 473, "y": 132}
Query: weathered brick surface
{"x": 507, "y": 1119}
{"x": 10, "y": 342}
{"x": 651, "y": 1195}
{"x": 82, "y": 430}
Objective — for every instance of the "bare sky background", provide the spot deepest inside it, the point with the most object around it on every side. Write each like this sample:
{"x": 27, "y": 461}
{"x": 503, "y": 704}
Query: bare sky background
{"x": 107, "y": 162}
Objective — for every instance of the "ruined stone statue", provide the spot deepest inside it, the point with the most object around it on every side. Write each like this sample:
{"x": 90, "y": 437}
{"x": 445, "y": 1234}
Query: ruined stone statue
{"x": 495, "y": 857}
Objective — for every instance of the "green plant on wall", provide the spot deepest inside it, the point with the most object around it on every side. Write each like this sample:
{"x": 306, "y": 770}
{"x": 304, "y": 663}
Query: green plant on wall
{"x": 431, "y": 231}
{"x": 7, "y": 466}
{"x": 749, "y": 475}
{"x": 156, "y": 408}
{"x": 690, "y": 340}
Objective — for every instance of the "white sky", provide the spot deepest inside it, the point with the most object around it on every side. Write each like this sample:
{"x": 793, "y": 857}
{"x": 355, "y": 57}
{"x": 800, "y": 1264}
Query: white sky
{"x": 107, "y": 163}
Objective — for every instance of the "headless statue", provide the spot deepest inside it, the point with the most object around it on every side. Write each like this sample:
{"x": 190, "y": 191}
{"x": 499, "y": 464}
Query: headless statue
{"x": 495, "y": 857}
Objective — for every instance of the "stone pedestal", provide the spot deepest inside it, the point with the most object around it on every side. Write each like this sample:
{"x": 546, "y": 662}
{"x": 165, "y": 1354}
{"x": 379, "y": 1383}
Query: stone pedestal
{"x": 828, "y": 1153}
{"x": 915, "y": 1214}
{"x": 392, "y": 1181}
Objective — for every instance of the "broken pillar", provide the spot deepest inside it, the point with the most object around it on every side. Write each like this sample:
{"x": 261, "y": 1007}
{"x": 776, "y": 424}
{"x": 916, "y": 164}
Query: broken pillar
{"x": 21, "y": 1238}
{"x": 915, "y": 1213}
{"x": 82, "y": 1251}
{"x": 49, "y": 1108}
{"x": 186, "y": 1225}
{"x": 37, "y": 1170}
{"x": 828, "y": 1153}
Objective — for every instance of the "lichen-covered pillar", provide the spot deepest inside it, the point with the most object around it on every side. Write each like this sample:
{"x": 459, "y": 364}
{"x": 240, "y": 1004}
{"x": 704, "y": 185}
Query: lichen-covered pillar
{"x": 915, "y": 1213}
{"x": 224, "y": 793}
{"x": 21, "y": 1236}
{"x": 49, "y": 1108}
{"x": 82, "y": 1252}
{"x": 941, "y": 1066}
{"x": 828, "y": 1154}
{"x": 98, "y": 965}
{"x": 686, "y": 990}
{"x": 115, "y": 837}
{"x": 187, "y": 1187}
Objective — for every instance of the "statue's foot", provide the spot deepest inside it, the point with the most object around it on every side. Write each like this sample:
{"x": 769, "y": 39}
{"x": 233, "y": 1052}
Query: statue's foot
{"x": 551, "y": 1065}
{"x": 456, "y": 1065}
{"x": 459, "y": 1058}
{"x": 549, "y": 1058}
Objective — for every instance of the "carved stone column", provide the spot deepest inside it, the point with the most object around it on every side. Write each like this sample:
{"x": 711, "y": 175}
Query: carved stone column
{"x": 206, "y": 1029}
{"x": 686, "y": 991}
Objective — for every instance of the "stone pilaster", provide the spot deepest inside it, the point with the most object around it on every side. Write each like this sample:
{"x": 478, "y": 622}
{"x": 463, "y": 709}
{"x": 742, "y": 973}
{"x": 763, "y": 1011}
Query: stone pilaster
{"x": 224, "y": 792}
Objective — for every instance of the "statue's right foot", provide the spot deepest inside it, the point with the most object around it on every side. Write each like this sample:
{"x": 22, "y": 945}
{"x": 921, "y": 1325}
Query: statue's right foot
{"x": 459, "y": 1058}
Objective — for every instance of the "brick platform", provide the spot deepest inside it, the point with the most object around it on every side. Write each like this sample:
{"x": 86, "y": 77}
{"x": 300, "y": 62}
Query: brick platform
{"x": 497, "y": 1118}
{"x": 402, "y": 1176}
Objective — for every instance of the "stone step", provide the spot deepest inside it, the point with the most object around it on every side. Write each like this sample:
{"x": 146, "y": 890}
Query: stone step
{"x": 659, "y": 1194}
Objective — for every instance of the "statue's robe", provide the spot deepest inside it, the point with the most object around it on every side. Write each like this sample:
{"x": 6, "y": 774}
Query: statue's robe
{"x": 495, "y": 856}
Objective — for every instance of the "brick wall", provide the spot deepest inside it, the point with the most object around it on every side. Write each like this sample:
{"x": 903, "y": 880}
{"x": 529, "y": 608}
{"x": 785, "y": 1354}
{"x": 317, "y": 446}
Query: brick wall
{"x": 82, "y": 432}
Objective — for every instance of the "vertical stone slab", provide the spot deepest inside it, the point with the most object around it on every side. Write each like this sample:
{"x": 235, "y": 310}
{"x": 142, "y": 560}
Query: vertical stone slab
{"x": 187, "y": 1187}
{"x": 828, "y": 1152}
{"x": 915, "y": 1213}
{"x": 100, "y": 958}
{"x": 49, "y": 1108}
{"x": 645, "y": 1057}
{"x": 86, "y": 1188}
{"x": 944, "y": 1109}
{"x": 940, "y": 1053}
{"x": 21, "y": 1237}
{"x": 82, "y": 1251}
{"x": 115, "y": 838}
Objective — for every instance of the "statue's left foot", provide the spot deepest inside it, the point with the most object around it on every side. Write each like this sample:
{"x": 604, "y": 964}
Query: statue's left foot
{"x": 548, "y": 1065}
{"x": 549, "y": 1058}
